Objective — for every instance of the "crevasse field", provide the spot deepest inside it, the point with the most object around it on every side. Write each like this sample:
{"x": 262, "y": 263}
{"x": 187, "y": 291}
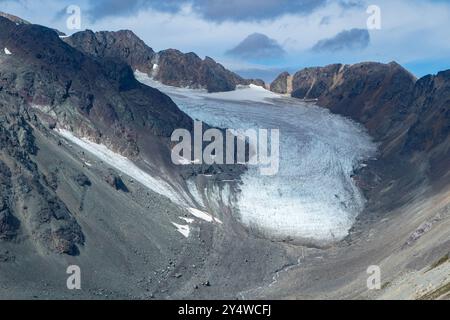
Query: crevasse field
{"x": 313, "y": 196}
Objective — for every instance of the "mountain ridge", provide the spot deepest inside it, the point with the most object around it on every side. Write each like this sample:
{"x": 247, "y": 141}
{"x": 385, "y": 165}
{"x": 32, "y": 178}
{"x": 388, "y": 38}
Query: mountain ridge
{"x": 170, "y": 66}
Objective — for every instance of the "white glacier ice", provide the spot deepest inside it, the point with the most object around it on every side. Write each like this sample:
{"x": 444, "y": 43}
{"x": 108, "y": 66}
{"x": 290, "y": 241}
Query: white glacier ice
{"x": 312, "y": 196}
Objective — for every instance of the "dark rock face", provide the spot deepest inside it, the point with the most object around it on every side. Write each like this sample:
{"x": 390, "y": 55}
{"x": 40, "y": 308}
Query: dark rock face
{"x": 123, "y": 46}
{"x": 280, "y": 84}
{"x": 116, "y": 182}
{"x": 370, "y": 93}
{"x": 28, "y": 205}
{"x": 373, "y": 94}
{"x": 188, "y": 70}
{"x": 8, "y": 222}
{"x": 82, "y": 180}
{"x": 311, "y": 83}
{"x": 430, "y": 129}
{"x": 170, "y": 67}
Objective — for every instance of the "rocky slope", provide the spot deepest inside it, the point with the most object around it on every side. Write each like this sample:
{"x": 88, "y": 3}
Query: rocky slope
{"x": 45, "y": 83}
{"x": 29, "y": 206}
{"x": 171, "y": 67}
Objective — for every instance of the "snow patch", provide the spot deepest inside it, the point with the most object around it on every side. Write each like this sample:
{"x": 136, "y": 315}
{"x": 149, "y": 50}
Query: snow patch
{"x": 7, "y": 52}
{"x": 184, "y": 161}
{"x": 124, "y": 165}
{"x": 184, "y": 230}
{"x": 203, "y": 215}
{"x": 188, "y": 220}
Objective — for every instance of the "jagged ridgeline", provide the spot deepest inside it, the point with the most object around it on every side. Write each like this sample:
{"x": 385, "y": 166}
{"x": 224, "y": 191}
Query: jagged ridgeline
{"x": 170, "y": 67}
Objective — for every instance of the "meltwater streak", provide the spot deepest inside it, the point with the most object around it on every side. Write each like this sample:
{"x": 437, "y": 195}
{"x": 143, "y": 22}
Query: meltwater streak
{"x": 312, "y": 197}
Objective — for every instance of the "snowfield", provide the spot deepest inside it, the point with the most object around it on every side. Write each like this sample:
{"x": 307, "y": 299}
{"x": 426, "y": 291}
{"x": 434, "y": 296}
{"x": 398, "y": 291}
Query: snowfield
{"x": 251, "y": 93}
{"x": 313, "y": 196}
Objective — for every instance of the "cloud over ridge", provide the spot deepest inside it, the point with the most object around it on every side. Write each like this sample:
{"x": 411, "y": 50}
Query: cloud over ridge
{"x": 257, "y": 46}
{"x": 353, "y": 39}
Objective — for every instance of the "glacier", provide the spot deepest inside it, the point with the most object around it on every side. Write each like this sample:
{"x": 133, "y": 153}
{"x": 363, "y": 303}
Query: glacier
{"x": 313, "y": 197}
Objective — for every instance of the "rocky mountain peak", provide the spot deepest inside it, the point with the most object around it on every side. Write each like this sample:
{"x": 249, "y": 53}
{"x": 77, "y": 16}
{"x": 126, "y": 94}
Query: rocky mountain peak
{"x": 282, "y": 83}
{"x": 123, "y": 46}
{"x": 171, "y": 66}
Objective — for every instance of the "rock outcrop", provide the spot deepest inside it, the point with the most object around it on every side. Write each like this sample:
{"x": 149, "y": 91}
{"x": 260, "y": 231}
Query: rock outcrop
{"x": 170, "y": 67}
{"x": 188, "y": 70}
{"x": 311, "y": 83}
{"x": 116, "y": 182}
{"x": 123, "y": 46}
{"x": 280, "y": 84}
{"x": 28, "y": 205}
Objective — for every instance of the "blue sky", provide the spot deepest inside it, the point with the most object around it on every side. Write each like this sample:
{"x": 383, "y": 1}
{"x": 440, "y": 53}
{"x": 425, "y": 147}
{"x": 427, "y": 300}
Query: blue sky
{"x": 260, "y": 38}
